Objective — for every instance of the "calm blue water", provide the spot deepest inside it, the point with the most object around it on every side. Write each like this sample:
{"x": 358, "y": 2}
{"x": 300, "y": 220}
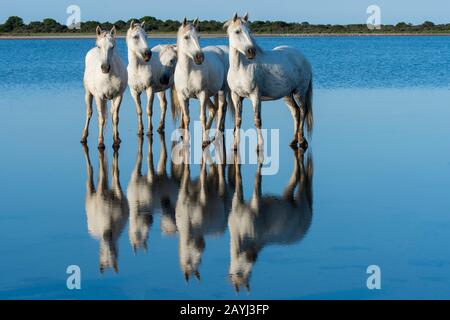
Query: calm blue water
{"x": 377, "y": 176}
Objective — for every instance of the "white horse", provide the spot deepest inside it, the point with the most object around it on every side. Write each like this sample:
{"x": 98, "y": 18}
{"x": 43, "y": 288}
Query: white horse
{"x": 259, "y": 75}
{"x": 150, "y": 75}
{"x": 266, "y": 220}
{"x": 200, "y": 211}
{"x": 200, "y": 73}
{"x": 106, "y": 208}
{"x": 105, "y": 78}
{"x": 148, "y": 193}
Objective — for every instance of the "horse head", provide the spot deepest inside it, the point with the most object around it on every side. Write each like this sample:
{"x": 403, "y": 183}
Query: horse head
{"x": 188, "y": 41}
{"x": 137, "y": 41}
{"x": 106, "y": 42}
{"x": 240, "y": 36}
{"x": 168, "y": 58}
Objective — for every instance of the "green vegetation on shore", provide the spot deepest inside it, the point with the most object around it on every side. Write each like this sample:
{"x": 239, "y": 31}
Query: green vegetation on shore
{"x": 15, "y": 26}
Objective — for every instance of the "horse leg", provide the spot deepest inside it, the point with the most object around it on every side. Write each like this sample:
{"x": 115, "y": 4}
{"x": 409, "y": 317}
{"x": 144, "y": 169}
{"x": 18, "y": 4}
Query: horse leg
{"x": 301, "y": 137}
{"x": 115, "y": 118}
{"x": 101, "y": 110}
{"x": 295, "y": 112}
{"x": 222, "y": 111}
{"x": 184, "y": 104}
{"x": 137, "y": 101}
{"x": 212, "y": 109}
{"x": 163, "y": 105}
{"x": 161, "y": 168}
{"x": 115, "y": 186}
{"x": 151, "y": 168}
{"x": 90, "y": 172}
{"x": 88, "y": 98}
{"x": 203, "y": 98}
{"x": 237, "y": 102}
{"x": 150, "y": 98}
{"x": 256, "y": 101}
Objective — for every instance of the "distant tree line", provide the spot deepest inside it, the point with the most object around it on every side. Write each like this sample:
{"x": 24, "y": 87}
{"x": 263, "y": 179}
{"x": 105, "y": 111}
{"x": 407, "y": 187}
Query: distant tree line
{"x": 15, "y": 25}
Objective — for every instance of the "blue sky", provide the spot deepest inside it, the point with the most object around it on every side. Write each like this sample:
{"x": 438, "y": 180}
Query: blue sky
{"x": 314, "y": 11}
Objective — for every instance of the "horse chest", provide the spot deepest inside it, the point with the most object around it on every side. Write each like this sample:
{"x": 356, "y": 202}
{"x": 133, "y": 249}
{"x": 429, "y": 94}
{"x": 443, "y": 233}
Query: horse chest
{"x": 140, "y": 79}
{"x": 110, "y": 86}
{"x": 242, "y": 82}
{"x": 192, "y": 84}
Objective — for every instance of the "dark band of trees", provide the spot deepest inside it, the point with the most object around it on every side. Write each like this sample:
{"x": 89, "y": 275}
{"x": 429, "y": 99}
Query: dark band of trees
{"x": 15, "y": 25}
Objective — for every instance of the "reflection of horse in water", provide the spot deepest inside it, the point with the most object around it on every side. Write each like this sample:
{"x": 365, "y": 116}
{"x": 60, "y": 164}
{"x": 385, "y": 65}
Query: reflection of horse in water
{"x": 201, "y": 210}
{"x": 147, "y": 193}
{"x": 267, "y": 220}
{"x": 106, "y": 209}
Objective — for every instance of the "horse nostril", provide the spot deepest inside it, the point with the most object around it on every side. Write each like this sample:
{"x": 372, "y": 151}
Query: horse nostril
{"x": 199, "y": 57}
{"x": 251, "y": 52}
{"x": 147, "y": 55}
{"x": 164, "y": 80}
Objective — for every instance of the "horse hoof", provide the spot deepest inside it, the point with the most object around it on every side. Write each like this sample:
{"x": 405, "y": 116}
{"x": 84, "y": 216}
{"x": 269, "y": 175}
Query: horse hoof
{"x": 140, "y": 133}
{"x": 101, "y": 146}
{"x": 149, "y": 133}
{"x": 83, "y": 140}
{"x": 304, "y": 145}
{"x": 160, "y": 130}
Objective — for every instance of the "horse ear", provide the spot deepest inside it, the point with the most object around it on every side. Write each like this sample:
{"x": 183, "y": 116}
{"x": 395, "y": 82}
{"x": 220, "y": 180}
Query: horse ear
{"x": 132, "y": 24}
{"x": 98, "y": 31}
{"x": 246, "y": 17}
{"x": 113, "y": 31}
{"x": 142, "y": 24}
{"x": 235, "y": 17}
{"x": 196, "y": 23}
{"x": 185, "y": 22}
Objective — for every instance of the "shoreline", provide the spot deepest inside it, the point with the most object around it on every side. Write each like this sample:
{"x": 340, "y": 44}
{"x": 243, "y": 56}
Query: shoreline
{"x": 218, "y": 36}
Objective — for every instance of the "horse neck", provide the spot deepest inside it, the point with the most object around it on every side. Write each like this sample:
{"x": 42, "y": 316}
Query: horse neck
{"x": 134, "y": 61}
{"x": 184, "y": 61}
{"x": 236, "y": 61}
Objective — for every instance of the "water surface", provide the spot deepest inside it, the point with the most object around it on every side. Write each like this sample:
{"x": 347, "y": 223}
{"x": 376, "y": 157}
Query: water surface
{"x": 373, "y": 190}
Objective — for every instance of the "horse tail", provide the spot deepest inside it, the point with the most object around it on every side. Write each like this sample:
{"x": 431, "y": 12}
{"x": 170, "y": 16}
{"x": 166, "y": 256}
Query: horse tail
{"x": 175, "y": 106}
{"x": 308, "y": 108}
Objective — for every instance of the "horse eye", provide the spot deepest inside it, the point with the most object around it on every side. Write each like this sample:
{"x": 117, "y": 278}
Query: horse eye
{"x": 186, "y": 37}
{"x": 238, "y": 31}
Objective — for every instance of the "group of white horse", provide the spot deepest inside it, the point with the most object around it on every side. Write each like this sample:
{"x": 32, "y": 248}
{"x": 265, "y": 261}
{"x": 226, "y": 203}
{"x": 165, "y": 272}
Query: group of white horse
{"x": 240, "y": 70}
{"x": 196, "y": 209}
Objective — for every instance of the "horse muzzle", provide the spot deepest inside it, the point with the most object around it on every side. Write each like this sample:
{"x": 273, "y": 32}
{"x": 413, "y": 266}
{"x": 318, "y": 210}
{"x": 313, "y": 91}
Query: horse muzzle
{"x": 250, "y": 53}
{"x": 105, "y": 68}
{"x": 165, "y": 79}
{"x": 199, "y": 58}
{"x": 147, "y": 55}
